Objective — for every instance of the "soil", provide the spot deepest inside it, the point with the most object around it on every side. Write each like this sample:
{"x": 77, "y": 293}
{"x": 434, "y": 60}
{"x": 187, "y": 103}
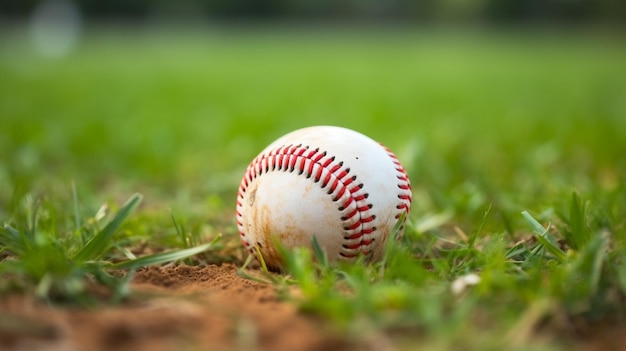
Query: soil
{"x": 180, "y": 308}
{"x": 198, "y": 308}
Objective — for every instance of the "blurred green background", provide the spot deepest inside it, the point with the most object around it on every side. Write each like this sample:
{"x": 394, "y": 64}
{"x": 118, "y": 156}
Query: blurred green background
{"x": 489, "y": 106}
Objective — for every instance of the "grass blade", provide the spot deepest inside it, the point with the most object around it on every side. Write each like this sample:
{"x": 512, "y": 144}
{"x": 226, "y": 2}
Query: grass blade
{"x": 165, "y": 257}
{"x": 599, "y": 251}
{"x": 320, "y": 253}
{"x": 180, "y": 230}
{"x": 77, "y": 221}
{"x": 578, "y": 235}
{"x": 589, "y": 264}
{"x": 12, "y": 240}
{"x": 535, "y": 225}
{"x": 552, "y": 248}
{"x": 267, "y": 278}
{"x": 242, "y": 271}
{"x": 96, "y": 246}
{"x": 544, "y": 238}
{"x": 392, "y": 242}
{"x": 477, "y": 232}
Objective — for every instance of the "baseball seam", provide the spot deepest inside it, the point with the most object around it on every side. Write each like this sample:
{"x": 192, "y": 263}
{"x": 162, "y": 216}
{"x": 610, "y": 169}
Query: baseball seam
{"x": 405, "y": 195}
{"x": 355, "y": 211}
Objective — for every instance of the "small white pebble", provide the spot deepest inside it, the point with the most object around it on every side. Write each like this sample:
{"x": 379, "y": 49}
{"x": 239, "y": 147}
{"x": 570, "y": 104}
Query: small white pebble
{"x": 460, "y": 283}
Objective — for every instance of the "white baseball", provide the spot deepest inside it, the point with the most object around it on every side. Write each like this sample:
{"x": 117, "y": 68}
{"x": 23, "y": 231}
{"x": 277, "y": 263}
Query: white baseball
{"x": 331, "y": 183}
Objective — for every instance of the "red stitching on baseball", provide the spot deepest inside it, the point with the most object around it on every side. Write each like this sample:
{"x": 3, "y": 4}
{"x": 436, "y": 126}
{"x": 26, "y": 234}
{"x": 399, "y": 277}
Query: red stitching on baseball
{"x": 404, "y": 185}
{"x": 351, "y": 198}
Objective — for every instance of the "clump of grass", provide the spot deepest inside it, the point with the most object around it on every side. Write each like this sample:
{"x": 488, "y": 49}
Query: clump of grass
{"x": 346, "y": 292}
{"x": 60, "y": 264}
{"x": 474, "y": 290}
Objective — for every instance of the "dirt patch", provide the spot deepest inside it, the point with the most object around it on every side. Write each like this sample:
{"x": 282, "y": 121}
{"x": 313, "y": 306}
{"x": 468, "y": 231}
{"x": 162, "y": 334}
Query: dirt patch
{"x": 179, "y": 308}
{"x": 203, "y": 308}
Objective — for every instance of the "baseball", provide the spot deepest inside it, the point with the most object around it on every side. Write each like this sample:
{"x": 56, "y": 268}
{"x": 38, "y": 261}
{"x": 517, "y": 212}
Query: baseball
{"x": 332, "y": 183}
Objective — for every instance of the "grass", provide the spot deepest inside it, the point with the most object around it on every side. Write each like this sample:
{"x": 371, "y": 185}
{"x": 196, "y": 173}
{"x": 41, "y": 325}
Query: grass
{"x": 63, "y": 265}
{"x": 514, "y": 143}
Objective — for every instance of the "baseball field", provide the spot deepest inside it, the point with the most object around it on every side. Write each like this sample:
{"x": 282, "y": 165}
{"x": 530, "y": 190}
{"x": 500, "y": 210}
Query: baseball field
{"x": 120, "y": 161}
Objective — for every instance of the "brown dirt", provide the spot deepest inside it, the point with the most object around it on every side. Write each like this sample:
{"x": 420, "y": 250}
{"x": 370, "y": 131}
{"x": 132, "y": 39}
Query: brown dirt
{"x": 180, "y": 308}
{"x": 203, "y": 308}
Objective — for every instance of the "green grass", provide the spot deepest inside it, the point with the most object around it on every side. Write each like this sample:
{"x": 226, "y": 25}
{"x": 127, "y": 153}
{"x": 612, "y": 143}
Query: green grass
{"x": 513, "y": 141}
{"x": 62, "y": 264}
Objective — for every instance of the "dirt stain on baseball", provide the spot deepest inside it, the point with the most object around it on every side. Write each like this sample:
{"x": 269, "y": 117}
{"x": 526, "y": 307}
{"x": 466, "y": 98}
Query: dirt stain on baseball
{"x": 252, "y": 195}
{"x": 268, "y": 240}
